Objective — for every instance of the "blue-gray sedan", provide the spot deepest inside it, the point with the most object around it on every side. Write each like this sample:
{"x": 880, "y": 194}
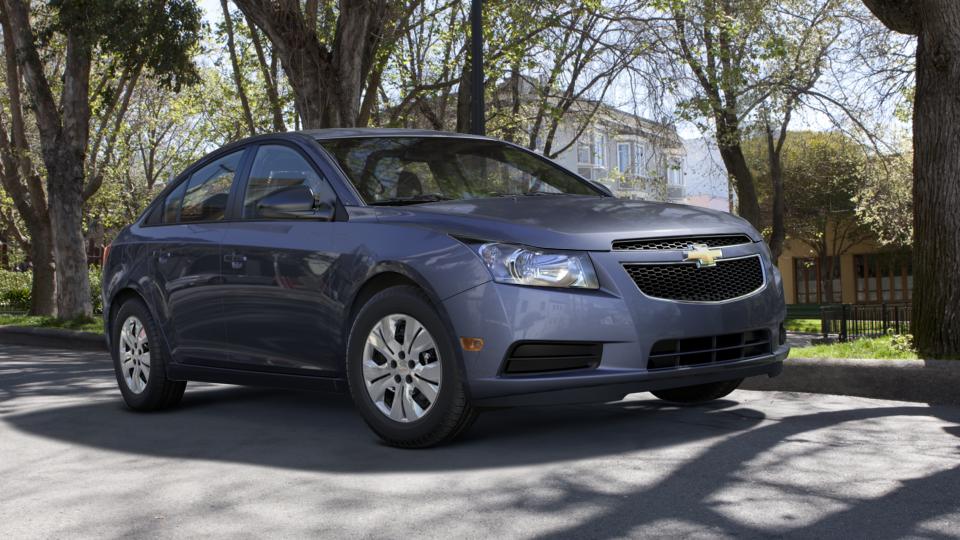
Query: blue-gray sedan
{"x": 431, "y": 275}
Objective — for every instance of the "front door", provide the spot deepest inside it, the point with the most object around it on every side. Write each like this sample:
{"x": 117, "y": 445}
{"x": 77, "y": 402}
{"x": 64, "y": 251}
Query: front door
{"x": 280, "y": 312}
{"x": 187, "y": 258}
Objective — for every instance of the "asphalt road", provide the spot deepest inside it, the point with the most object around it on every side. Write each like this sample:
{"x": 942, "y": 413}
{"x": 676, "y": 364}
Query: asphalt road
{"x": 243, "y": 462}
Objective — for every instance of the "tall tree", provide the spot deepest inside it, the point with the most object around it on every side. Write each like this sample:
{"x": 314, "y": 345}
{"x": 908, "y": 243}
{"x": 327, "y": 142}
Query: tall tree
{"x": 159, "y": 35}
{"x": 936, "y": 167}
{"x": 23, "y": 182}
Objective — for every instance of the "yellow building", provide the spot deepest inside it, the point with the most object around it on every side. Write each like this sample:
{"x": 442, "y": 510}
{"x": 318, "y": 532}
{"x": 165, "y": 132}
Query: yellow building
{"x": 866, "y": 273}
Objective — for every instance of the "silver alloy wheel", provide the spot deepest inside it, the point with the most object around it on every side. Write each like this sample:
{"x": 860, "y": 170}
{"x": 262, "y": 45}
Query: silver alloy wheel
{"x": 134, "y": 354}
{"x": 402, "y": 370}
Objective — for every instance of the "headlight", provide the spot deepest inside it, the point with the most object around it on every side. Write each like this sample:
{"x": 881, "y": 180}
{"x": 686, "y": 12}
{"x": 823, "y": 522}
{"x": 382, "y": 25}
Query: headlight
{"x": 522, "y": 265}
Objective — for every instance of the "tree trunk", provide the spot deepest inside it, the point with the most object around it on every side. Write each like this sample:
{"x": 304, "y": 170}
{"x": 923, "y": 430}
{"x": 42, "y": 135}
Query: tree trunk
{"x": 736, "y": 164}
{"x": 778, "y": 235}
{"x": 936, "y": 191}
{"x": 43, "y": 295}
{"x": 237, "y": 72}
{"x": 464, "y": 97}
{"x": 268, "y": 77}
{"x": 327, "y": 80}
{"x": 65, "y": 186}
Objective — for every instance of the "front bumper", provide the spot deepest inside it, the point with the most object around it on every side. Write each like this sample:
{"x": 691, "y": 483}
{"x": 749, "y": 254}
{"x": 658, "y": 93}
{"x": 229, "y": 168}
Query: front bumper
{"x": 618, "y": 316}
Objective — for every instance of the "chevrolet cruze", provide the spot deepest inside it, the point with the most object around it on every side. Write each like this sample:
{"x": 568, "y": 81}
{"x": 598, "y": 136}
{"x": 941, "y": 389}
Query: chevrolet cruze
{"x": 431, "y": 275}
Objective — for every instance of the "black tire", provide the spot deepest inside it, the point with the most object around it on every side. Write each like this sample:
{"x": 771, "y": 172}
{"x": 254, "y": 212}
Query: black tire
{"x": 698, "y": 394}
{"x": 160, "y": 392}
{"x": 450, "y": 414}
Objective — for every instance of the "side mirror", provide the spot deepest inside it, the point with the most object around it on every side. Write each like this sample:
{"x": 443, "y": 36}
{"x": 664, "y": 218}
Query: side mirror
{"x": 602, "y": 187}
{"x": 295, "y": 202}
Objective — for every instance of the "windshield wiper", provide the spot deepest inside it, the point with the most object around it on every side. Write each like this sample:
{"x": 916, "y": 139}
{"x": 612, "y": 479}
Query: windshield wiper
{"x": 413, "y": 199}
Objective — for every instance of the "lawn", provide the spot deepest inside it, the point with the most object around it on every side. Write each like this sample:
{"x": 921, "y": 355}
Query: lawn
{"x": 882, "y": 347}
{"x": 809, "y": 326}
{"x": 94, "y": 324}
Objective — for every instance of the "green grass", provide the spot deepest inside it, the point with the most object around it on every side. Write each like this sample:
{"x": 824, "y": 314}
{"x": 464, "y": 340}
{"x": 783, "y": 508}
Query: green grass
{"x": 93, "y": 324}
{"x": 810, "y": 326}
{"x": 881, "y": 347}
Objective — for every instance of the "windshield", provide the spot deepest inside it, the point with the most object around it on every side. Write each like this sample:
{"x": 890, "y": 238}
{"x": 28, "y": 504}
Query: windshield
{"x": 410, "y": 170}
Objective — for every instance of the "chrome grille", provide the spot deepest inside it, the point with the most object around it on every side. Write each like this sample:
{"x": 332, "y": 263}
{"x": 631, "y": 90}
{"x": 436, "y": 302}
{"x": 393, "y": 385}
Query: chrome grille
{"x": 678, "y": 243}
{"x": 731, "y": 278}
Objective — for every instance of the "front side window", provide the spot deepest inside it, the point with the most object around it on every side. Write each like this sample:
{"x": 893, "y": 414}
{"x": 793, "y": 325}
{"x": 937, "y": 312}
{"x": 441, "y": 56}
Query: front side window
{"x": 277, "y": 168}
{"x": 171, "y": 205}
{"x": 407, "y": 170}
{"x": 208, "y": 190}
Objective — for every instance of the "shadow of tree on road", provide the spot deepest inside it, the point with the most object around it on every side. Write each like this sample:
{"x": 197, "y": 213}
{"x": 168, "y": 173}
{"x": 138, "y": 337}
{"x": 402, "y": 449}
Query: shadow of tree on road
{"x": 704, "y": 491}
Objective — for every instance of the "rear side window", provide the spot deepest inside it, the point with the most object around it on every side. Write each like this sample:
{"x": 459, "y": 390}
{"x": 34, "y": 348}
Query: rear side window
{"x": 277, "y": 168}
{"x": 208, "y": 189}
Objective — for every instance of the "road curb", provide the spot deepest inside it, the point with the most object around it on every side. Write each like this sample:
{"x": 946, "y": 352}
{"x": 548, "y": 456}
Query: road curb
{"x": 927, "y": 381}
{"x": 52, "y": 337}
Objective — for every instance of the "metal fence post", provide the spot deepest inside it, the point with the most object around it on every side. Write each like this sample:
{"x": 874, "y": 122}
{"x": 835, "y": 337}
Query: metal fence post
{"x": 843, "y": 322}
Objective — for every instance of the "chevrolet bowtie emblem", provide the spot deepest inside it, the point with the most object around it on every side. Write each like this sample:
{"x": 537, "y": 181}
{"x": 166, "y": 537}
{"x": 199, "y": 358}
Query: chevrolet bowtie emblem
{"x": 702, "y": 255}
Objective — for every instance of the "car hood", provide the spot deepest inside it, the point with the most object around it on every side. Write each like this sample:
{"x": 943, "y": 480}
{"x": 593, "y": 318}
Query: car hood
{"x": 565, "y": 222}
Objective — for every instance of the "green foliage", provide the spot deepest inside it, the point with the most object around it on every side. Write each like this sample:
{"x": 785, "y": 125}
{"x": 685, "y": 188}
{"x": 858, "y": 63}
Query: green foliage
{"x": 822, "y": 173}
{"x": 885, "y": 201}
{"x": 162, "y": 36}
{"x": 902, "y": 343}
{"x": 883, "y": 348}
{"x": 15, "y": 290}
{"x": 83, "y": 324}
{"x": 808, "y": 326}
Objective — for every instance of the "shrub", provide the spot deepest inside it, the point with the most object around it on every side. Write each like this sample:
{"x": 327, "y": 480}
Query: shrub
{"x": 902, "y": 343}
{"x": 15, "y": 290}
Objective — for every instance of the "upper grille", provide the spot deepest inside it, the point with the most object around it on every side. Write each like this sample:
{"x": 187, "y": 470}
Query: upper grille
{"x": 680, "y": 243}
{"x": 730, "y": 278}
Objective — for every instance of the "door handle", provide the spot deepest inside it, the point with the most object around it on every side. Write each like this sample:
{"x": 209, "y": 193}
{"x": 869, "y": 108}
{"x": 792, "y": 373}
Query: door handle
{"x": 236, "y": 260}
{"x": 163, "y": 256}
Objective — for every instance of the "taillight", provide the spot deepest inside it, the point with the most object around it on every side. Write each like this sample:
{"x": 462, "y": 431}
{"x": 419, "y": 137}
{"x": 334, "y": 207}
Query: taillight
{"x": 106, "y": 253}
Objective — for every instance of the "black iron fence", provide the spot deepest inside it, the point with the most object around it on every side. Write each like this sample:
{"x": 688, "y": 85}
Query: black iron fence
{"x": 848, "y": 321}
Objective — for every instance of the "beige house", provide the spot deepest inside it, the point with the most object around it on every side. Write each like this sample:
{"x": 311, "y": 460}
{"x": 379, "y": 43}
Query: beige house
{"x": 866, "y": 273}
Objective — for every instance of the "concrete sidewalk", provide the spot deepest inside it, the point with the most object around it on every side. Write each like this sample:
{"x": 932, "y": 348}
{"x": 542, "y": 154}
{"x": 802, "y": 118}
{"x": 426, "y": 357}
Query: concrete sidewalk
{"x": 251, "y": 462}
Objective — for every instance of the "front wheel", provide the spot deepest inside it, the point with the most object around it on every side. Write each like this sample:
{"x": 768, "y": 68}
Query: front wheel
{"x": 140, "y": 360}
{"x": 698, "y": 394}
{"x": 403, "y": 373}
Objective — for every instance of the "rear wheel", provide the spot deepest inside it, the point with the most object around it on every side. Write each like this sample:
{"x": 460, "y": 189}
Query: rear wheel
{"x": 699, "y": 393}
{"x": 140, "y": 360}
{"x": 403, "y": 373}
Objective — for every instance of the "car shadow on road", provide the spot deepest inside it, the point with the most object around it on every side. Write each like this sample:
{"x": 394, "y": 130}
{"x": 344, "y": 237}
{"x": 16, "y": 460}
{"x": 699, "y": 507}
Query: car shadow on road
{"x": 322, "y": 432}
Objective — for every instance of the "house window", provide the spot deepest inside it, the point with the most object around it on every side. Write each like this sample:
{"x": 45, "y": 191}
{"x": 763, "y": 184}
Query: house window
{"x": 623, "y": 157}
{"x": 812, "y": 285}
{"x": 674, "y": 174}
{"x": 639, "y": 159}
{"x": 883, "y": 277}
{"x": 600, "y": 149}
{"x": 583, "y": 152}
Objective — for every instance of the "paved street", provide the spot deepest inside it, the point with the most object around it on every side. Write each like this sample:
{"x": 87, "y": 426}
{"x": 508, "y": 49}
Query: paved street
{"x": 252, "y": 462}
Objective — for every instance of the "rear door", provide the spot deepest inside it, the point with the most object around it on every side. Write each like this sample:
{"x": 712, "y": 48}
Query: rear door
{"x": 187, "y": 260}
{"x": 281, "y": 309}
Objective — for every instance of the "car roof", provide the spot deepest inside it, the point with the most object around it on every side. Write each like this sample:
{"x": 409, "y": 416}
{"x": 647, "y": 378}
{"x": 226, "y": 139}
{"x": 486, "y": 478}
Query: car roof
{"x": 343, "y": 133}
